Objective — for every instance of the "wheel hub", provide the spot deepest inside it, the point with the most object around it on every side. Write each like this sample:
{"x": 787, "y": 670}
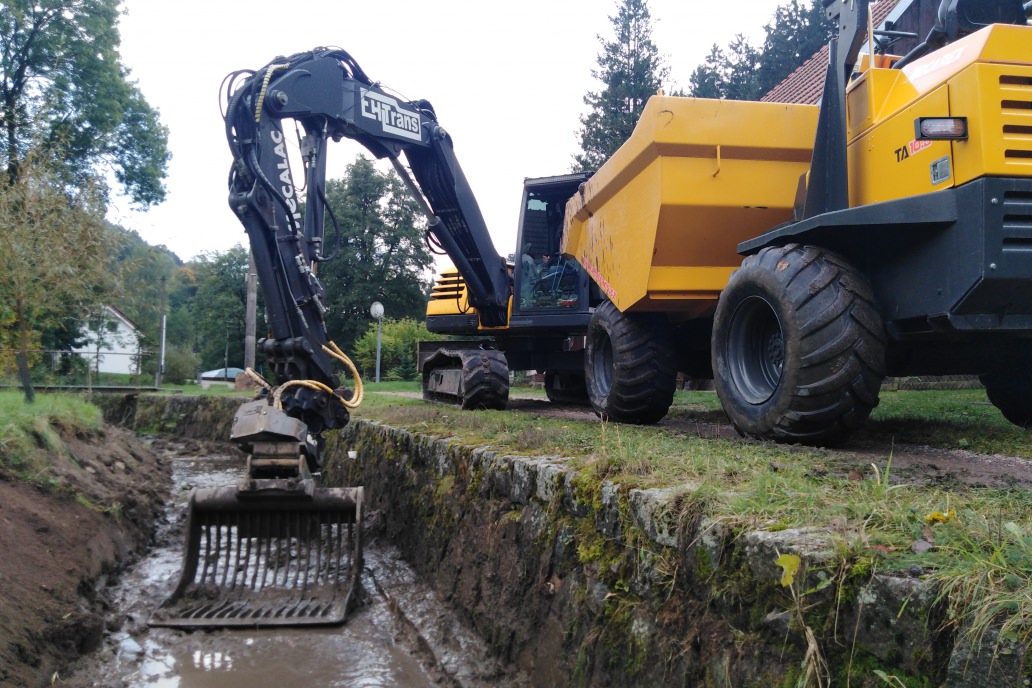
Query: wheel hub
{"x": 756, "y": 350}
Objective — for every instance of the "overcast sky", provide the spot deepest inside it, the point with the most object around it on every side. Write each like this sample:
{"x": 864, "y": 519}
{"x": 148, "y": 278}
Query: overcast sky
{"x": 507, "y": 81}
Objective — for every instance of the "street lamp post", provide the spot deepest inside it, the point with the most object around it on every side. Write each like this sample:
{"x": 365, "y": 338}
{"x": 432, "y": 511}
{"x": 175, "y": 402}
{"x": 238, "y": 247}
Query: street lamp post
{"x": 376, "y": 310}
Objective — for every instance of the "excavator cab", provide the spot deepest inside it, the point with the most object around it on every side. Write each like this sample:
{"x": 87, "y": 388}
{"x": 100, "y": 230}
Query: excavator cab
{"x": 551, "y": 298}
{"x": 544, "y": 280}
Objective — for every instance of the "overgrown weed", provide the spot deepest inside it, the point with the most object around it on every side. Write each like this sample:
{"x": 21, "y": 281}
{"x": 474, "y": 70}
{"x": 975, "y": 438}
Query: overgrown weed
{"x": 30, "y": 439}
{"x": 984, "y": 574}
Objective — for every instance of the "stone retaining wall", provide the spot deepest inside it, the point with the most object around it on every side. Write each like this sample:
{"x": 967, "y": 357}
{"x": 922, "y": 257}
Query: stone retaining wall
{"x": 583, "y": 583}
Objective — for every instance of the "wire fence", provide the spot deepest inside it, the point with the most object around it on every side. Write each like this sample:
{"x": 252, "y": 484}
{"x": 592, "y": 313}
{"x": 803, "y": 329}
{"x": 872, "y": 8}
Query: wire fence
{"x": 64, "y": 368}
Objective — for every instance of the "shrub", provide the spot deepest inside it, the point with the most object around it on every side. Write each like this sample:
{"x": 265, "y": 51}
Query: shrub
{"x": 398, "y": 343}
{"x": 181, "y": 365}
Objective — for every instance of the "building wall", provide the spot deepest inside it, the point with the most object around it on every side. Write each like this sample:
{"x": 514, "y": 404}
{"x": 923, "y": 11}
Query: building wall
{"x": 114, "y": 347}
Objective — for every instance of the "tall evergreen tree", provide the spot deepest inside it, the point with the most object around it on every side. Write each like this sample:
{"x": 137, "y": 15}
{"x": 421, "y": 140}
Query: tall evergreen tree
{"x": 796, "y": 32}
{"x": 729, "y": 74}
{"x": 631, "y": 70}
{"x": 741, "y": 72}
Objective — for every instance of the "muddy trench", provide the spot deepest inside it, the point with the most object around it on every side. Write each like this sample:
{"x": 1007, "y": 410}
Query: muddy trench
{"x": 401, "y": 634}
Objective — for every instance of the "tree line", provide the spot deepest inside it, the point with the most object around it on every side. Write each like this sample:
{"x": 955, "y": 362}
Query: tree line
{"x": 379, "y": 257}
{"x": 71, "y": 118}
{"x": 631, "y": 69}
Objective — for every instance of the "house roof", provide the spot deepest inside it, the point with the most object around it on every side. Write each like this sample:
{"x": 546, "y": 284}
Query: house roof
{"x": 116, "y": 314}
{"x": 122, "y": 316}
{"x": 806, "y": 84}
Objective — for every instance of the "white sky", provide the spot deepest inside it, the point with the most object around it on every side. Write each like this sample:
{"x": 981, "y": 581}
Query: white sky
{"x": 507, "y": 82}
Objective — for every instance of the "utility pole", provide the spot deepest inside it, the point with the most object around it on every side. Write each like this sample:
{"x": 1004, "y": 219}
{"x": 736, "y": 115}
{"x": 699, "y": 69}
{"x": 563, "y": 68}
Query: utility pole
{"x": 164, "y": 320}
{"x": 251, "y": 318}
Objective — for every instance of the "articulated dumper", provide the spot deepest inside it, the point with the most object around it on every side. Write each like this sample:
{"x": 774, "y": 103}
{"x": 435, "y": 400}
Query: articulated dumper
{"x": 887, "y": 231}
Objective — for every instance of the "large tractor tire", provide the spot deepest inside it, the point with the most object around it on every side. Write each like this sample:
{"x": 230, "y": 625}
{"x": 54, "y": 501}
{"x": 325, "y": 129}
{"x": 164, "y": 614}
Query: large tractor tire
{"x": 628, "y": 367}
{"x": 1009, "y": 386}
{"x": 798, "y": 347}
{"x": 565, "y": 387}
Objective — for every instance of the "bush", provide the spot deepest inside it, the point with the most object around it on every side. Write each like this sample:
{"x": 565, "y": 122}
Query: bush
{"x": 398, "y": 344}
{"x": 181, "y": 365}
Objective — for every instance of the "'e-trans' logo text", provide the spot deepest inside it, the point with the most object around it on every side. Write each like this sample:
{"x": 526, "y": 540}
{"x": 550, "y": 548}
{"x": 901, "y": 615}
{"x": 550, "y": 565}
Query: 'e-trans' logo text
{"x": 390, "y": 115}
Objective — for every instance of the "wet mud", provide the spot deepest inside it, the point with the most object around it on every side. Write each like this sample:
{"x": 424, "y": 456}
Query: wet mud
{"x": 401, "y": 633}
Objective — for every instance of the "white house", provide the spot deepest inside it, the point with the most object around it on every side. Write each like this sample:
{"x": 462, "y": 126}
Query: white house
{"x": 113, "y": 344}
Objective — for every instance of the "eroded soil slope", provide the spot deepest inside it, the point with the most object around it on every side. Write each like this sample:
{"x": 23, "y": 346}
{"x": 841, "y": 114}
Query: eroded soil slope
{"x": 86, "y": 512}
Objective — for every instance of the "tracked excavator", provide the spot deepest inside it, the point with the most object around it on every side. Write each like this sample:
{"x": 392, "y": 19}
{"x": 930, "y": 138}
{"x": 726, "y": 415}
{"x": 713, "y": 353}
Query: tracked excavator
{"x": 277, "y": 549}
{"x": 796, "y": 254}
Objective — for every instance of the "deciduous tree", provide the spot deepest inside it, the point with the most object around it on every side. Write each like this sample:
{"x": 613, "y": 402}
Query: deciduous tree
{"x": 381, "y": 256}
{"x": 218, "y": 307}
{"x": 53, "y": 248}
{"x": 398, "y": 342}
{"x": 62, "y": 83}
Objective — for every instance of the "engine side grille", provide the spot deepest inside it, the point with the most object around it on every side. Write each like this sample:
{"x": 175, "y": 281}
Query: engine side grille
{"x": 1016, "y": 116}
{"x": 1017, "y": 221}
{"x": 450, "y": 286}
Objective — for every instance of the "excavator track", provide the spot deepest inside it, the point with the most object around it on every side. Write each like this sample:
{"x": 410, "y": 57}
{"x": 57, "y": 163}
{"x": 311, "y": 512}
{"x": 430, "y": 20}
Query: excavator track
{"x": 472, "y": 379}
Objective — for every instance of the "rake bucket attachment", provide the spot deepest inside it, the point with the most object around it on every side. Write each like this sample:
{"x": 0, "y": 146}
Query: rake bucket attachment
{"x": 268, "y": 557}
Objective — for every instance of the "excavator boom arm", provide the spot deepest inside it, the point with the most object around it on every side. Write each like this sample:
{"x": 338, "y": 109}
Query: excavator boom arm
{"x": 330, "y": 97}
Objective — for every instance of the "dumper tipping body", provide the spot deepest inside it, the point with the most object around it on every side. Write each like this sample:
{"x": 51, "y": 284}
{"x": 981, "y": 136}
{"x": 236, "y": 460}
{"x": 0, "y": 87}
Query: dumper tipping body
{"x": 657, "y": 227}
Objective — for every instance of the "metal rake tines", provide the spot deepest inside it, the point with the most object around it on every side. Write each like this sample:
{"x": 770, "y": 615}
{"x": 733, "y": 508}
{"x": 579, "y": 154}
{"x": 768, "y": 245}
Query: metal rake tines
{"x": 267, "y": 559}
{"x": 248, "y": 610}
{"x": 283, "y": 550}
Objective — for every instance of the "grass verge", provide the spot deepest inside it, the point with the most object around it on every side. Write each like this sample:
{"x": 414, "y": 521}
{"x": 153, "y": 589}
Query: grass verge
{"x": 30, "y": 434}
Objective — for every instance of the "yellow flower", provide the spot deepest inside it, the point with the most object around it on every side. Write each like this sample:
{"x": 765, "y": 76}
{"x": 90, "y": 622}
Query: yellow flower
{"x": 939, "y": 517}
{"x": 789, "y": 564}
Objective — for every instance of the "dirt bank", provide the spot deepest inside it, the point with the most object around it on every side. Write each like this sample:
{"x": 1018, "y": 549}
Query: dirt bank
{"x": 86, "y": 514}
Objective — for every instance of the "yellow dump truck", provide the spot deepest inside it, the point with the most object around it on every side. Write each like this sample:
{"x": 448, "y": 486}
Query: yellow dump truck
{"x": 887, "y": 231}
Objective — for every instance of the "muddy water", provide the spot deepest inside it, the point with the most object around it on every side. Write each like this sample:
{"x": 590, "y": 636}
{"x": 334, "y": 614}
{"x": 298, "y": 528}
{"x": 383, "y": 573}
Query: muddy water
{"x": 401, "y": 635}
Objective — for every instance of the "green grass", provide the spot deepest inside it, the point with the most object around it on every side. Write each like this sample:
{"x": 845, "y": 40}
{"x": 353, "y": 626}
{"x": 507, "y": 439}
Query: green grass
{"x": 408, "y": 386}
{"x": 222, "y": 390}
{"x": 30, "y": 433}
{"x": 192, "y": 388}
{"x": 982, "y": 558}
{"x": 953, "y": 419}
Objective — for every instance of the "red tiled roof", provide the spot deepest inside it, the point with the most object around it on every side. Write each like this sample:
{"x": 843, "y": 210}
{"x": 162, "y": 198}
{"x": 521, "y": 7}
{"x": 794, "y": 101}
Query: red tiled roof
{"x": 806, "y": 83}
